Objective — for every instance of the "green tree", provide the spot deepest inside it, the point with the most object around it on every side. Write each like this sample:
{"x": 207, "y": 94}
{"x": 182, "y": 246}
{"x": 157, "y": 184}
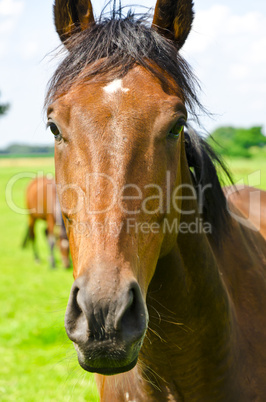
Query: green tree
{"x": 230, "y": 141}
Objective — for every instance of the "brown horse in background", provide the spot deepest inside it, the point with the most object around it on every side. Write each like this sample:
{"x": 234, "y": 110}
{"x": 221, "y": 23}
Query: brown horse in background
{"x": 169, "y": 298}
{"x": 251, "y": 202}
{"x": 42, "y": 203}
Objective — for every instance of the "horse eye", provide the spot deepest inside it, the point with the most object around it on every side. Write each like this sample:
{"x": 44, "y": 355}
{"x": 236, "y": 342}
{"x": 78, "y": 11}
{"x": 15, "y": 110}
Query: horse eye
{"x": 54, "y": 130}
{"x": 177, "y": 129}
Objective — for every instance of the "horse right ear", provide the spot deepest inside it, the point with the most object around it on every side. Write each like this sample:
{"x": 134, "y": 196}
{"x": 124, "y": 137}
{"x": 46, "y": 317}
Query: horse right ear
{"x": 173, "y": 19}
{"x": 72, "y": 16}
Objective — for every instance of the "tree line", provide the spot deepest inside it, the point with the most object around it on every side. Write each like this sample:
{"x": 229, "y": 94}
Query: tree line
{"x": 23, "y": 149}
{"x": 27, "y": 150}
{"x": 238, "y": 142}
{"x": 226, "y": 141}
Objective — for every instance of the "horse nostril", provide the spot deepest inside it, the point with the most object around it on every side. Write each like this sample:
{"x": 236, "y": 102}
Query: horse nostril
{"x": 127, "y": 304}
{"x": 73, "y": 313}
{"x": 131, "y": 316}
{"x": 97, "y": 317}
{"x": 76, "y": 307}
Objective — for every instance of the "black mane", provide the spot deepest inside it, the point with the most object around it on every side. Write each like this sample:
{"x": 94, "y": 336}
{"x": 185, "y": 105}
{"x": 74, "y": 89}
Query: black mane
{"x": 202, "y": 159}
{"x": 121, "y": 43}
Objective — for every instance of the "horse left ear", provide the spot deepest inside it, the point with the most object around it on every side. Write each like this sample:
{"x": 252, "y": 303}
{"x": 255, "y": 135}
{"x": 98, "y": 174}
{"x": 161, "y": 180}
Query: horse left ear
{"x": 173, "y": 19}
{"x": 72, "y": 16}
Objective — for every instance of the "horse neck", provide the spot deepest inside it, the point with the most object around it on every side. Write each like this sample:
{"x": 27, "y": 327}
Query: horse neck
{"x": 191, "y": 328}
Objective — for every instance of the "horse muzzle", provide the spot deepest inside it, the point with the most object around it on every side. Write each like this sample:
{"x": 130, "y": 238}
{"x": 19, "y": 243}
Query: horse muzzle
{"x": 107, "y": 325}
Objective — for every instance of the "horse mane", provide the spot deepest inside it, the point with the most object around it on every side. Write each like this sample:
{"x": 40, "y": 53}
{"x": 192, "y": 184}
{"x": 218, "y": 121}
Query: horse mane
{"x": 121, "y": 42}
{"x": 201, "y": 161}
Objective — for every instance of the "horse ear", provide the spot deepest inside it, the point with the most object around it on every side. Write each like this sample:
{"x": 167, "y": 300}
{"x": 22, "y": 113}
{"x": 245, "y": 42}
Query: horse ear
{"x": 173, "y": 19}
{"x": 72, "y": 16}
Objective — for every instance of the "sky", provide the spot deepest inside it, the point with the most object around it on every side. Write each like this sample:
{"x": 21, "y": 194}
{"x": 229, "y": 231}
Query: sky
{"x": 226, "y": 49}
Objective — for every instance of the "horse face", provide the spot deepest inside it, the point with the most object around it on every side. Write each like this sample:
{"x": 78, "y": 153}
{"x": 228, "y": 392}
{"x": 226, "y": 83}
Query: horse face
{"x": 116, "y": 160}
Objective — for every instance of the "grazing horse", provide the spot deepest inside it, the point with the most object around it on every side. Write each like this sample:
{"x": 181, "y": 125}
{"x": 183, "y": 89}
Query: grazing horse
{"x": 42, "y": 203}
{"x": 251, "y": 202}
{"x": 168, "y": 302}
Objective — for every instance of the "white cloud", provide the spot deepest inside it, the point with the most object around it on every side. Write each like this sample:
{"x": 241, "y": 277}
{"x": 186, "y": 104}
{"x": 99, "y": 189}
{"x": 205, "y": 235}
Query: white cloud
{"x": 218, "y": 23}
{"x": 29, "y": 49}
{"x": 239, "y": 71}
{"x": 10, "y": 10}
{"x": 6, "y": 26}
{"x": 205, "y": 27}
{"x": 11, "y": 7}
{"x": 258, "y": 50}
{"x": 230, "y": 53}
{"x": 242, "y": 24}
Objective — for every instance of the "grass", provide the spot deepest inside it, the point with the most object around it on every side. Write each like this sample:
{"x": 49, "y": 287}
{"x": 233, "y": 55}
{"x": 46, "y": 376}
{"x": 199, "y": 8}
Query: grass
{"x": 249, "y": 171}
{"x": 38, "y": 362}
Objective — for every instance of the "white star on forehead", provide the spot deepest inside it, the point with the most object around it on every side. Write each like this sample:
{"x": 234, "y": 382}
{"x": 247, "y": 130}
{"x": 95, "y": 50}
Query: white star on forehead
{"x": 115, "y": 86}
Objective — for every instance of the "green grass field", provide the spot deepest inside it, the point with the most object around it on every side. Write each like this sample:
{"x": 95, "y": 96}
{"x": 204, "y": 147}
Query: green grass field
{"x": 249, "y": 171}
{"x": 38, "y": 362}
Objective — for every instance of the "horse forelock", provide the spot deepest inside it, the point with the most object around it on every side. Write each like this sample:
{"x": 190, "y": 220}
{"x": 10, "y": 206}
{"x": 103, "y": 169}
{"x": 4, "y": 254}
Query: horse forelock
{"x": 111, "y": 47}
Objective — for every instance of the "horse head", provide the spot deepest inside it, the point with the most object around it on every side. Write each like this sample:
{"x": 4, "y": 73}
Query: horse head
{"x": 117, "y": 109}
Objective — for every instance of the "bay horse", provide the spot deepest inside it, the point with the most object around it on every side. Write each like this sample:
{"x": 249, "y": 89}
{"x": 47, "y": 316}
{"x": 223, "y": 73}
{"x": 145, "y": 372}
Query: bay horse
{"x": 168, "y": 302}
{"x": 43, "y": 204}
{"x": 251, "y": 202}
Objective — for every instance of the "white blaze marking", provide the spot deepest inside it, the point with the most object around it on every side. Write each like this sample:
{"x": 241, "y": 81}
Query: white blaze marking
{"x": 115, "y": 86}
